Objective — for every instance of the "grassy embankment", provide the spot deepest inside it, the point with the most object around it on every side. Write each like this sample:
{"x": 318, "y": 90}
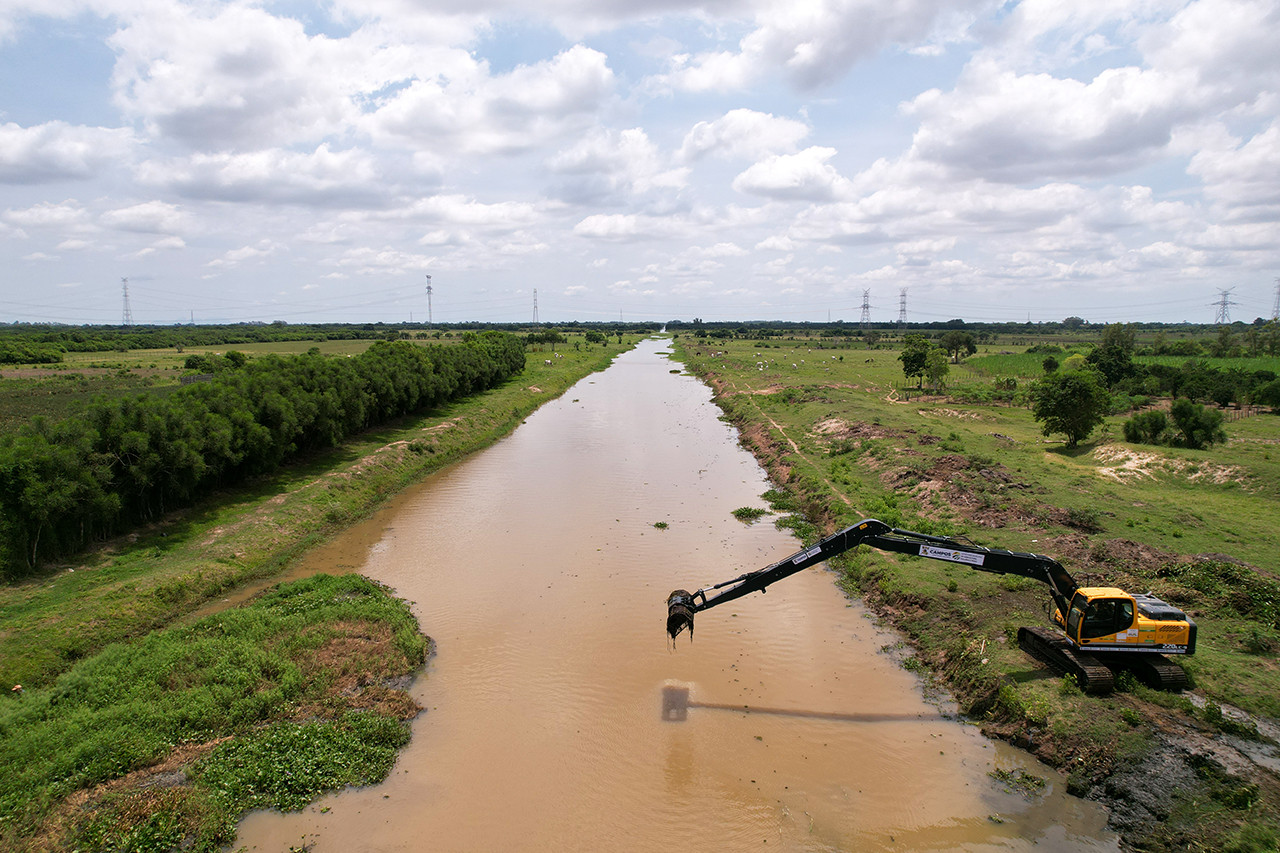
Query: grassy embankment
{"x": 119, "y": 739}
{"x": 841, "y": 444}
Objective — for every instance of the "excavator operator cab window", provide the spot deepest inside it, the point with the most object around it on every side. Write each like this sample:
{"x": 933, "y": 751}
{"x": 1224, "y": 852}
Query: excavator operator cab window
{"x": 1106, "y": 616}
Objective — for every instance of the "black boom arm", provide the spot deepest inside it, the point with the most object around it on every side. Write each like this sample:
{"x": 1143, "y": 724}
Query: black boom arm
{"x": 681, "y": 604}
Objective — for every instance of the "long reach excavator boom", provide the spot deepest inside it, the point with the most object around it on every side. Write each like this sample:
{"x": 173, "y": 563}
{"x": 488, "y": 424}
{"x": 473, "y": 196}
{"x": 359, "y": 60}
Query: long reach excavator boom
{"x": 1100, "y": 629}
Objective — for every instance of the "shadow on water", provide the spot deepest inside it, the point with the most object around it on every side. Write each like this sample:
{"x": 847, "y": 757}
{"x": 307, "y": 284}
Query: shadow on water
{"x": 676, "y": 705}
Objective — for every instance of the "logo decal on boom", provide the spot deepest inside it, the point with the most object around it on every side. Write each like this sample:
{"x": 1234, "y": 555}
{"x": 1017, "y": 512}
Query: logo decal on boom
{"x": 949, "y": 554}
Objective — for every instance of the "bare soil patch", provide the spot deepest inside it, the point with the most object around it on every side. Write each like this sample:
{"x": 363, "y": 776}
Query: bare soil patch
{"x": 1124, "y": 464}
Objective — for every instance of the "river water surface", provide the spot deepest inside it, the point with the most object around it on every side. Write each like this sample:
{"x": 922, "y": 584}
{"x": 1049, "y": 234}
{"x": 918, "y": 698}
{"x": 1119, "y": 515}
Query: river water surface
{"x": 559, "y": 718}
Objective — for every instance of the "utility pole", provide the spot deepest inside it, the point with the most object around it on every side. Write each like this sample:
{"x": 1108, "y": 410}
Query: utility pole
{"x": 428, "y": 302}
{"x": 1223, "y": 317}
{"x": 128, "y": 314}
{"x": 902, "y": 308}
{"x": 865, "y": 321}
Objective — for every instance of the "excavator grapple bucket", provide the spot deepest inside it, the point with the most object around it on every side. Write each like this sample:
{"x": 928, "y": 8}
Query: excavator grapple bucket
{"x": 679, "y": 613}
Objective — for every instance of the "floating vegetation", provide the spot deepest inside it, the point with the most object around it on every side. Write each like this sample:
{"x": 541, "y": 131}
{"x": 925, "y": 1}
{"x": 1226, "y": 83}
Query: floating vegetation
{"x": 1027, "y": 784}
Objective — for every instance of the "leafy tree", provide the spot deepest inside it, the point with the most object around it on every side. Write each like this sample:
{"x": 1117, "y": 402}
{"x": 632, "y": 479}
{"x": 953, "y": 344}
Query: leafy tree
{"x": 1225, "y": 346}
{"x": 1050, "y": 364}
{"x": 1271, "y": 337}
{"x": 914, "y": 355}
{"x": 935, "y": 367}
{"x": 1073, "y": 362}
{"x": 955, "y": 342}
{"x": 1199, "y": 427}
{"x": 1071, "y": 403}
{"x": 1072, "y": 324}
{"x": 1269, "y": 395}
{"x": 1114, "y": 355}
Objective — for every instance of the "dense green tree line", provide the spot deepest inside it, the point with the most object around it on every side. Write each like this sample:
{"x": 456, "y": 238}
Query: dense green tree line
{"x": 124, "y": 462}
{"x": 46, "y": 343}
{"x": 24, "y": 352}
{"x": 60, "y": 339}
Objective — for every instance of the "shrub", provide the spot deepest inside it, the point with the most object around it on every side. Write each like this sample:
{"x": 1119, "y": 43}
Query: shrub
{"x": 1198, "y": 427}
{"x": 1146, "y": 428}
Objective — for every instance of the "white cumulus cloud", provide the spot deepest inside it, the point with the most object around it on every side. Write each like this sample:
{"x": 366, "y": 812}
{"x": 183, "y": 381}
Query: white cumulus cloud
{"x": 806, "y": 176}
{"x": 56, "y": 151}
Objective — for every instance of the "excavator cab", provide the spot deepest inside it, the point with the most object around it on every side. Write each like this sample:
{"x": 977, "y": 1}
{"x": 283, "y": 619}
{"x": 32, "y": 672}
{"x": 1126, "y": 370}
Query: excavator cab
{"x": 1092, "y": 618}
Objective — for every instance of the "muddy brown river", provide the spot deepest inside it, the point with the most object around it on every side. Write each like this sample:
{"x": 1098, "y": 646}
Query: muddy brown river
{"x": 560, "y": 718}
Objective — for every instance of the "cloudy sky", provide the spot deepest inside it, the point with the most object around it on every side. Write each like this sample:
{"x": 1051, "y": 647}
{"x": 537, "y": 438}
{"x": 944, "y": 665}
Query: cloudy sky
{"x": 638, "y": 159}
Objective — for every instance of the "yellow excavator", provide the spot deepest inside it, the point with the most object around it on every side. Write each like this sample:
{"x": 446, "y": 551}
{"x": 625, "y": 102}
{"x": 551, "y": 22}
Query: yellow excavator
{"x": 1101, "y": 630}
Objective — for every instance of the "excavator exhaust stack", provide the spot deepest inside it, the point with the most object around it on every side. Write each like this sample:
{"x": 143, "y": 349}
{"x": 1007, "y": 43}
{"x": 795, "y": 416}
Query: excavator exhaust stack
{"x": 679, "y": 613}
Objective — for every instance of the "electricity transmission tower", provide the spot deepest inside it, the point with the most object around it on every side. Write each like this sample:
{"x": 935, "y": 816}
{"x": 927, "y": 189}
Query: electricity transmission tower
{"x": 866, "y": 308}
{"x": 1224, "y": 303}
{"x": 128, "y": 314}
{"x": 428, "y": 302}
{"x": 902, "y": 308}
{"x": 535, "y": 306}
{"x": 1275, "y": 309}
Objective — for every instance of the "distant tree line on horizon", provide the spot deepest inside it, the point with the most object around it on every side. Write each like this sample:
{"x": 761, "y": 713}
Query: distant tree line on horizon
{"x": 1188, "y": 339}
{"x": 125, "y": 462}
{"x": 42, "y": 343}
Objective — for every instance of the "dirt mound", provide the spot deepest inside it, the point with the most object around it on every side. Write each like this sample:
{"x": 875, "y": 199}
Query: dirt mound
{"x": 836, "y": 428}
{"x": 1124, "y": 464}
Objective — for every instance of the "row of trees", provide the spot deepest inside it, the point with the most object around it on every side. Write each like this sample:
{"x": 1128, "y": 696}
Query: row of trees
{"x": 47, "y": 343}
{"x": 66, "y": 484}
{"x": 26, "y": 352}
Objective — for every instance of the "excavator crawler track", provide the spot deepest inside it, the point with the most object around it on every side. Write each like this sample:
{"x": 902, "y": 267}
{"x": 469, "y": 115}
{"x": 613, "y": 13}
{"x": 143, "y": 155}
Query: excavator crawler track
{"x": 1050, "y": 648}
{"x": 1154, "y": 670}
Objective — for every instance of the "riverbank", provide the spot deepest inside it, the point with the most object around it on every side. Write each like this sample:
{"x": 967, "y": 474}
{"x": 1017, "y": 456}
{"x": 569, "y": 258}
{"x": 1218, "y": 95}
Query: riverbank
{"x": 1177, "y": 771}
{"x": 56, "y": 630}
